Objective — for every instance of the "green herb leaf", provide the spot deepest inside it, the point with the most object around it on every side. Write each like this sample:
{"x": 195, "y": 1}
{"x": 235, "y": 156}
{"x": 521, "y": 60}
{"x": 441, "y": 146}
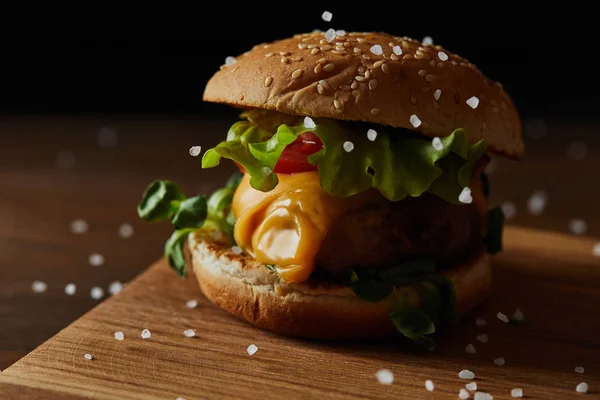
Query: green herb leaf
{"x": 160, "y": 201}
{"x": 406, "y": 272}
{"x": 174, "y": 252}
{"x": 372, "y": 290}
{"x": 268, "y": 152}
{"x": 191, "y": 213}
{"x": 234, "y": 180}
{"x": 493, "y": 239}
{"x": 270, "y": 120}
{"x": 270, "y": 267}
{"x": 414, "y": 324}
{"x": 219, "y": 203}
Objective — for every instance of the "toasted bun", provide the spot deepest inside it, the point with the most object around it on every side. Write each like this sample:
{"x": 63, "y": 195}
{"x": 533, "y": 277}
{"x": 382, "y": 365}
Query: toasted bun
{"x": 344, "y": 79}
{"x": 241, "y": 286}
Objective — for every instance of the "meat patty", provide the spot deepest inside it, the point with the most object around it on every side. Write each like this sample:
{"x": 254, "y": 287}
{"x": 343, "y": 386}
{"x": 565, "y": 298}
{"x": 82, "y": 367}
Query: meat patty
{"x": 389, "y": 233}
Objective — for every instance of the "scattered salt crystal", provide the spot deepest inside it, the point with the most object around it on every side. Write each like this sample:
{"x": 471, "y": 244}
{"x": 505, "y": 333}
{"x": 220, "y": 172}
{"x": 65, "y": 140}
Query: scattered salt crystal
{"x": 429, "y": 385}
{"x": 537, "y": 202}
{"x": 180, "y": 398}
{"x": 330, "y": 35}
{"x": 509, "y": 209}
{"x": 252, "y": 349}
{"x": 579, "y": 370}
{"x": 377, "y": 50}
{"x": 470, "y": 349}
{"x": 471, "y": 386}
{"x": 582, "y": 387}
{"x": 230, "y": 61}
{"x": 189, "y": 333}
{"x": 115, "y": 287}
{"x": 97, "y": 293}
{"x": 415, "y": 121}
{"x": 236, "y": 250}
{"x": 309, "y": 123}
{"x": 463, "y": 394}
{"x": 65, "y": 159}
{"x": 465, "y": 196}
{"x": 443, "y": 56}
{"x": 576, "y": 151}
{"x": 340, "y": 33}
{"x": 39, "y": 286}
{"x": 146, "y": 334}
{"x": 191, "y": 304}
{"x": 516, "y": 393}
{"x": 483, "y": 338}
{"x": 596, "y": 249}
{"x": 428, "y": 40}
{"x": 437, "y": 143}
{"x": 483, "y": 396}
{"x": 195, "y": 151}
{"x": 518, "y": 315}
{"x": 502, "y": 317}
{"x": 119, "y": 335}
{"x": 79, "y": 226}
{"x": 397, "y": 50}
{"x": 87, "y": 356}
{"x": 578, "y": 226}
{"x": 372, "y": 135}
{"x": 348, "y": 146}
{"x": 70, "y": 289}
{"x": 437, "y": 94}
{"x": 480, "y": 322}
{"x": 499, "y": 361}
{"x": 327, "y": 16}
{"x": 126, "y": 230}
{"x": 385, "y": 377}
{"x": 536, "y": 128}
{"x": 466, "y": 374}
{"x": 96, "y": 259}
{"x": 107, "y": 137}
{"x": 473, "y": 102}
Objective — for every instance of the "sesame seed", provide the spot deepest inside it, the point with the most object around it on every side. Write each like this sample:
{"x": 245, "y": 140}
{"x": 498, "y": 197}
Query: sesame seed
{"x": 483, "y": 396}
{"x": 473, "y": 102}
{"x": 427, "y": 40}
{"x": 470, "y": 349}
{"x": 415, "y": 121}
{"x": 422, "y": 72}
{"x": 146, "y": 334}
{"x": 385, "y": 68}
{"x": 357, "y": 50}
{"x": 96, "y": 260}
{"x": 324, "y": 84}
{"x": 429, "y": 385}
{"x": 405, "y": 44}
{"x": 88, "y": 356}
{"x": 301, "y": 46}
{"x": 516, "y": 392}
{"x": 322, "y": 60}
{"x": 480, "y": 322}
{"x": 360, "y": 78}
{"x": 463, "y": 394}
{"x": 119, "y": 335}
{"x": 394, "y": 57}
{"x": 377, "y": 64}
{"x": 471, "y": 386}
{"x": 323, "y": 41}
{"x": 347, "y": 44}
{"x": 195, "y": 151}
{"x": 466, "y": 374}
{"x": 499, "y": 361}
{"x": 437, "y": 143}
{"x": 361, "y": 69}
{"x": 315, "y": 51}
{"x": 407, "y": 57}
{"x": 230, "y": 61}
{"x": 346, "y": 88}
{"x": 384, "y": 376}
{"x": 97, "y": 293}
{"x": 437, "y": 94}
{"x": 372, "y": 135}
{"x": 376, "y": 49}
{"x": 354, "y": 85}
{"x": 309, "y": 123}
{"x": 443, "y": 56}
{"x": 285, "y": 60}
{"x": 70, "y": 289}
{"x": 268, "y": 81}
{"x": 579, "y": 370}
{"x": 337, "y": 104}
{"x": 327, "y": 16}
{"x": 330, "y": 35}
{"x": 372, "y": 84}
{"x": 318, "y": 68}
{"x": 191, "y": 304}
{"x": 252, "y": 349}
{"x": 366, "y": 57}
{"x": 336, "y": 51}
{"x": 329, "y": 67}
{"x": 39, "y": 286}
{"x": 348, "y": 146}
{"x": 429, "y": 78}
{"x": 413, "y": 99}
{"x": 312, "y": 46}
{"x": 367, "y": 74}
{"x": 272, "y": 54}
{"x": 375, "y": 111}
{"x": 361, "y": 40}
{"x": 296, "y": 74}
{"x": 284, "y": 53}
{"x": 502, "y": 317}
{"x": 582, "y": 388}
{"x": 432, "y": 63}
{"x": 189, "y": 333}
{"x": 578, "y": 226}
{"x": 236, "y": 250}
{"x": 356, "y": 93}
{"x": 397, "y": 50}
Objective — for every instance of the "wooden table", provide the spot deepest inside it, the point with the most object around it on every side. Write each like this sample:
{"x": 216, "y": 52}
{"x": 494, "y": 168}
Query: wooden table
{"x": 39, "y": 200}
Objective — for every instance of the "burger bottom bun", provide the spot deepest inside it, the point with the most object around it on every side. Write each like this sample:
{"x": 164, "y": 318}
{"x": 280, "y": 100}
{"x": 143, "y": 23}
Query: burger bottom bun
{"x": 240, "y": 285}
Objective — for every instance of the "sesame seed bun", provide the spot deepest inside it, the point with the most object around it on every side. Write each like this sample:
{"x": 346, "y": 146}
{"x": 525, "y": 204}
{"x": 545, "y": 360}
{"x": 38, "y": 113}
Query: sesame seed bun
{"x": 361, "y": 77}
{"x": 240, "y": 285}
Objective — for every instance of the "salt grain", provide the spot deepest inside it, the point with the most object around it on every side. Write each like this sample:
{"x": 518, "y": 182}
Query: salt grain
{"x": 465, "y": 196}
{"x": 115, "y": 287}
{"x": 463, "y": 394}
{"x": 126, "y": 231}
{"x": 518, "y": 315}
{"x": 483, "y": 396}
{"x": 509, "y": 209}
{"x": 191, "y": 304}
{"x": 483, "y": 338}
{"x": 471, "y": 386}
{"x": 70, "y": 289}
{"x": 480, "y": 322}
{"x": 397, "y": 50}
{"x": 466, "y": 374}
{"x": 385, "y": 377}
{"x": 97, "y": 293}
{"x": 65, "y": 159}
{"x": 189, "y": 333}
{"x": 537, "y": 202}
{"x": 502, "y": 317}
{"x": 340, "y": 33}
{"x": 596, "y": 249}
{"x": 443, "y": 56}
{"x": 582, "y": 387}
{"x": 348, "y": 146}
{"x": 236, "y": 250}
{"x": 330, "y": 35}
{"x": 578, "y": 226}
{"x": 195, "y": 151}
{"x": 119, "y": 335}
{"x": 96, "y": 259}
{"x": 470, "y": 349}
{"x": 516, "y": 393}
{"x": 427, "y": 40}
{"x": 437, "y": 94}
{"x": 377, "y": 50}
{"x": 309, "y": 123}
{"x": 79, "y": 226}
{"x": 579, "y": 370}
{"x": 39, "y": 286}
{"x": 230, "y": 61}
{"x": 437, "y": 144}
{"x": 372, "y": 135}
{"x": 146, "y": 334}
{"x": 180, "y": 398}
{"x": 88, "y": 356}
{"x": 473, "y": 102}
{"x": 576, "y": 151}
{"x": 252, "y": 349}
{"x": 499, "y": 361}
{"x": 415, "y": 121}
{"x": 429, "y": 385}
{"x": 327, "y": 16}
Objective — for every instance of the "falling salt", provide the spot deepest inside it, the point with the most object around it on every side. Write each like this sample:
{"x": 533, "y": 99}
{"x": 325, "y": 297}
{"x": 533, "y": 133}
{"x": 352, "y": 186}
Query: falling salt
{"x": 509, "y": 209}
{"x": 437, "y": 143}
{"x": 39, "y": 286}
{"x": 516, "y": 393}
{"x": 463, "y": 394}
{"x": 79, "y": 226}
{"x": 195, "y": 151}
{"x": 415, "y": 121}
{"x": 466, "y": 374}
{"x": 372, "y": 135}
{"x": 348, "y": 146}
{"x": 499, "y": 361}
{"x": 70, "y": 289}
{"x": 97, "y": 293}
{"x": 96, "y": 259}
{"x": 327, "y": 16}
{"x": 88, "y": 356}
{"x": 473, "y": 102}
{"x": 427, "y": 40}
{"x": 119, "y": 335}
{"x": 470, "y": 349}
{"x": 429, "y": 385}
{"x": 582, "y": 387}
{"x": 115, "y": 287}
{"x": 309, "y": 123}
{"x": 229, "y": 61}
{"x": 126, "y": 231}
{"x": 537, "y": 202}
{"x": 471, "y": 386}
{"x": 465, "y": 196}
{"x": 578, "y": 226}
{"x": 579, "y": 370}
{"x": 330, "y": 35}
{"x": 252, "y": 349}
{"x": 189, "y": 333}
{"x": 146, "y": 334}
{"x": 483, "y": 396}
{"x": 191, "y": 304}
{"x": 596, "y": 249}
{"x": 385, "y": 377}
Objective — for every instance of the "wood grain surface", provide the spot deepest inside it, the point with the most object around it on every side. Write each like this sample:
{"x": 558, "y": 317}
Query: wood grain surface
{"x": 552, "y": 278}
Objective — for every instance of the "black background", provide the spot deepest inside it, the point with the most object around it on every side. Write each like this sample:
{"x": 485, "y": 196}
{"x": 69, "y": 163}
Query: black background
{"x": 157, "y": 58}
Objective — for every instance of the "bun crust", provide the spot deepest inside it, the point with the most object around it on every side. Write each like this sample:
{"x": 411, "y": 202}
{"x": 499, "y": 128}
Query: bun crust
{"x": 352, "y": 78}
{"x": 243, "y": 287}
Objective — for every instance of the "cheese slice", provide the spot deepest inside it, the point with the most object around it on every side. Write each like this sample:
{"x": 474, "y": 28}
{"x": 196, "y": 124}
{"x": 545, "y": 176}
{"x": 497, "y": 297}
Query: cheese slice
{"x": 286, "y": 226}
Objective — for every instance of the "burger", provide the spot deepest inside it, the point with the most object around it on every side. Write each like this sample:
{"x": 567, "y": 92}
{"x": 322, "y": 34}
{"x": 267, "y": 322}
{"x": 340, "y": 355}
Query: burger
{"x": 360, "y": 209}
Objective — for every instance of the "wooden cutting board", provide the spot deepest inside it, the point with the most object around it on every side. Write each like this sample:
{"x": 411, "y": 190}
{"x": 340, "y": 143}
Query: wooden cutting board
{"x": 554, "y": 279}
